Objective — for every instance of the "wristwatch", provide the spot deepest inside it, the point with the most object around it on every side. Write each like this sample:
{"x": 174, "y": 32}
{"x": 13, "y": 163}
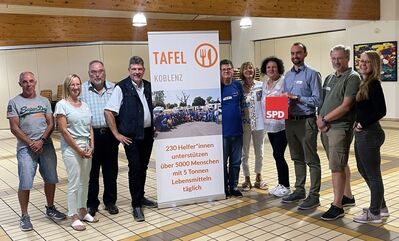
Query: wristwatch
{"x": 324, "y": 120}
{"x": 43, "y": 139}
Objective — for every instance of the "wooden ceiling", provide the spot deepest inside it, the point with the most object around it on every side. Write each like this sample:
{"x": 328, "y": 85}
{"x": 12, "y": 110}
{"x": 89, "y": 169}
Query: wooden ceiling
{"x": 20, "y": 28}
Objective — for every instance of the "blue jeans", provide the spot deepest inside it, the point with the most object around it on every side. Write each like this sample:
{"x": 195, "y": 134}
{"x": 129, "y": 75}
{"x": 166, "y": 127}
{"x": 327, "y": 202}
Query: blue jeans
{"x": 232, "y": 152}
{"x": 28, "y": 162}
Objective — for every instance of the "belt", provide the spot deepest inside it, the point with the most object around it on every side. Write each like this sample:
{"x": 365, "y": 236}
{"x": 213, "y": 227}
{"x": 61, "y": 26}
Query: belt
{"x": 101, "y": 130}
{"x": 300, "y": 117}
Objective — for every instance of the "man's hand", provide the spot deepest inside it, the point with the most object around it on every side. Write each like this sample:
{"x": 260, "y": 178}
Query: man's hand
{"x": 290, "y": 96}
{"x": 321, "y": 124}
{"x": 123, "y": 139}
{"x": 37, "y": 146}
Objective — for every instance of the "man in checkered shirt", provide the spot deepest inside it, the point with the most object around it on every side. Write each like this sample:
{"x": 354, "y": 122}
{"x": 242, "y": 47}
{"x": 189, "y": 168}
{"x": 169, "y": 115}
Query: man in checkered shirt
{"x": 96, "y": 93}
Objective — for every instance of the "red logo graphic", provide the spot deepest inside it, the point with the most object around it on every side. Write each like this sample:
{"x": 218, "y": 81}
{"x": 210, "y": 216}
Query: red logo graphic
{"x": 206, "y": 55}
{"x": 276, "y": 107}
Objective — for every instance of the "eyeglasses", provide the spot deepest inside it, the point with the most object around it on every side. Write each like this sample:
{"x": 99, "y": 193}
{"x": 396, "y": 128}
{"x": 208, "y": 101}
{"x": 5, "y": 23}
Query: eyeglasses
{"x": 99, "y": 72}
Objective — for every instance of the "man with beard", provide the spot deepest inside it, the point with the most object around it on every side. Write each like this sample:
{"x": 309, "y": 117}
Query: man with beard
{"x": 303, "y": 87}
{"x": 96, "y": 93}
{"x": 130, "y": 118}
{"x": 335, "y": 121}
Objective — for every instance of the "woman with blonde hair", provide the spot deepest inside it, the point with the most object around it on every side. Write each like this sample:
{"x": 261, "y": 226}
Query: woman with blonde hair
{"x": 74, "y": 123}
{"x": 252, "y": 123}
{"x": 369, "y": 136}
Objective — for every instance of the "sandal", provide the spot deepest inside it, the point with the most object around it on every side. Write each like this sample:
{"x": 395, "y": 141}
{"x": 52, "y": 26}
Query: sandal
{"x": 77, "y": 225}
{"x": 261, "y": 185}
{"x": 90, "y": 219}
{"x": 246, "y": 186}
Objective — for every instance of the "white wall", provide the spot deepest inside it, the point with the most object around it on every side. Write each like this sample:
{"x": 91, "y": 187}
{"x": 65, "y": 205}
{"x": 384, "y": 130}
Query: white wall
{"x": 283, "y": 32}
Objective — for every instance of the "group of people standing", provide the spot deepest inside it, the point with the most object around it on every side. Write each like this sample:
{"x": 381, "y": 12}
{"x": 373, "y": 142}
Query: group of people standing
{"x": 346, "y": 105}
{"x": 93, "y": 118}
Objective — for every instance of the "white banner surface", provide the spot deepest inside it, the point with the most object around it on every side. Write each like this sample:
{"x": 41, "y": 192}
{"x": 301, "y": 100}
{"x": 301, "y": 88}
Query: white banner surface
{"x": 185, "y": 82}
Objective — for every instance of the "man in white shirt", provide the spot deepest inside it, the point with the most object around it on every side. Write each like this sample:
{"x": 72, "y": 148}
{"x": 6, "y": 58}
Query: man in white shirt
{"x": 129, "y": 116}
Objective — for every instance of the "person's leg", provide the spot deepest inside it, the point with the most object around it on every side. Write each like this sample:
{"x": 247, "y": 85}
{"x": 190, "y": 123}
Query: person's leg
{"x": 235, "y": 162}
{"x": 278, "y": 142}
{"x": 146, "y": 149}
{"x": 73, "y": 171}
{"x": 309, "y": 143}
{"x": 27, "y": 165}
{"x": 226, "y": 154}
{"x": 295, "y": 131}
{"x": 85, "y": 167}
{"x": 133, "y": 156}
{"x": 94, "y": 187}
{"x": 245, "y": 151}
{"x": 110, "y": 170}
{"x": 257, "y": 140}
{"x": 48, "y": 170}
{"x": 338, "y": 181}
{"x": 335, "y": 144}
{"x": 348, "y": 189}
{"x": 368, "y": 144}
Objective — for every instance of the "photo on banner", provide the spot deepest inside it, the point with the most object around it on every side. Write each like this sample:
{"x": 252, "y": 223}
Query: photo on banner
{"x": 185, "y": 80}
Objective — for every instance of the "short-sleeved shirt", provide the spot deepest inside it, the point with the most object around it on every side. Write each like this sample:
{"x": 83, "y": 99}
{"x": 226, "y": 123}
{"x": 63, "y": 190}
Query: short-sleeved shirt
{"x": 115, "y": 102}
{"x": 97, "y": 101}
{"x": 78, "y": 120}
{"x": 232, "y": 95}
{"x": 306, "y": 83}
{"x": 335, "y": 88}
{"x": 32, "y": 116}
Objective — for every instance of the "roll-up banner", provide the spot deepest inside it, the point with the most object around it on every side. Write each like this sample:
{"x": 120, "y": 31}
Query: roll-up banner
{"x": 185, "y": 78}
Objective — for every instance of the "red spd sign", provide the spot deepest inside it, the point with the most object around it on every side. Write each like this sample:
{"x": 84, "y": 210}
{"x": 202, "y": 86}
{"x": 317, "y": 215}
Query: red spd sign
{"x": 276, "y": 107}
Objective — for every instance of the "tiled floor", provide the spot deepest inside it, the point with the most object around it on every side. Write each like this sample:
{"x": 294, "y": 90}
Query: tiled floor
{"x": 256, "y": 216}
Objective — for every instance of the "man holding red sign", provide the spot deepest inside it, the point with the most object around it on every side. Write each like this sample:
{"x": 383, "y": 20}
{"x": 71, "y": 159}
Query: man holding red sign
{"x": 303, "y": 87}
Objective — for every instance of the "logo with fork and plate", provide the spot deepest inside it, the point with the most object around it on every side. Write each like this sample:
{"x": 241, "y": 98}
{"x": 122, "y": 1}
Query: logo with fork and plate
{"x": 206, "y": 55}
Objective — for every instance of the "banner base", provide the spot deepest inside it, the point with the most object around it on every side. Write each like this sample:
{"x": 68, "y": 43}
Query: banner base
{"x": 174, "y": 204}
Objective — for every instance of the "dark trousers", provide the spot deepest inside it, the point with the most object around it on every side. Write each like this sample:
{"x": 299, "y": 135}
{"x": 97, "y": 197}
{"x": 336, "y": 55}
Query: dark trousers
{"x": 368, "y": 157}
{"x": 278, "y": 140}
{"x": 232, "y": 152}
{"x": 138, "y": 155}
{"x": 105, "y": 156}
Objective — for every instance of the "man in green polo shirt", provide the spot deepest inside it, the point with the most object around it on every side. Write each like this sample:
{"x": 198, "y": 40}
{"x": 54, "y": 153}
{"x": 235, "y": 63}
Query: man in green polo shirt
{"x": 335, "y": 120}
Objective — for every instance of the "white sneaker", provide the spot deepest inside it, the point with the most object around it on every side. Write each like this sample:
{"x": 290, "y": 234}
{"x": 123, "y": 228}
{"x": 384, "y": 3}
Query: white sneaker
{"x": 367, "y": 217}
{"x": 384, "y": 212}
{"x": 280, "y": 191}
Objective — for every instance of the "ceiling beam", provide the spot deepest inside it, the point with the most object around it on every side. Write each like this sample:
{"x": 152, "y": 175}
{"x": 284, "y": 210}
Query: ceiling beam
{"x": 24, "y": 29}
{"x": 315, "y": 9}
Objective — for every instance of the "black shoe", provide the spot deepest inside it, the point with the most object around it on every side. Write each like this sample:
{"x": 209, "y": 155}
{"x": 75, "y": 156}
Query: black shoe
{"x": 227, "y": 193}
{"x": 138, "y": 214}
{"x": 348, "y": 202}
{"x": 92, "y": 211}
{"x": 235, "y": 193}
{"x": 112, "y": 209}
{"x": 148, "y": 203}
{"x": 333, "y": 213}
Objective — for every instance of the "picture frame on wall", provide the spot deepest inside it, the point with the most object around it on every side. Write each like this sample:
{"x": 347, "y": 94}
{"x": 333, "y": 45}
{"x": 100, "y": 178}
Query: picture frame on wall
{"x": 387, "y": 51}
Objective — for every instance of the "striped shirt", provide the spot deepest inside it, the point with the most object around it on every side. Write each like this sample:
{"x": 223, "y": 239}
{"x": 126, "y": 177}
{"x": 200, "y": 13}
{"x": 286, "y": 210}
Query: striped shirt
{"x": 97, "y": 101}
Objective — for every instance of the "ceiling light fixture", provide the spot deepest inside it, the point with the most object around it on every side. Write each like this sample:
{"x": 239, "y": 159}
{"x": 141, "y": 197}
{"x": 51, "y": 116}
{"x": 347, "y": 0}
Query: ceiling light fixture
{"x": 139, "y": 20}
{"x": 245, "y": 22}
